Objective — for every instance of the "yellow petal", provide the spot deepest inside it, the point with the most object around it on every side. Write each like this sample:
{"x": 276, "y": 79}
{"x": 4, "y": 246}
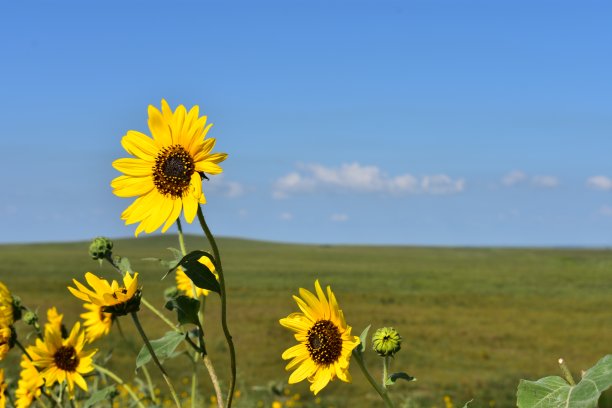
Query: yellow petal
{"x": 190, "y": 206}
{"x": 133, "y": 167}
{"x": 302, "y": 372}
{"x": 139, "y": 145}
{"x": 166, "y": 111}
{"x": 160, "y": 129}
{"x": 177, "y": 206}
{"x": 128, "y": 186}
{"x": 208, "y": 167}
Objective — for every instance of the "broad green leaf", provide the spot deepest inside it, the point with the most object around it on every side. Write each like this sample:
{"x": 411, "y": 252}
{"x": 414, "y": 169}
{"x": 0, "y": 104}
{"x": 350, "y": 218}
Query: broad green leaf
{"x": 163, "y": 348}
{"x": 186, "y": 308}
{"x": 555, "y": 392}
{"x": 398, "y": 376}
{"x": 123, "y": 264}
{"x": 363, "y": 337}
{"x": 99, "y": 396}
{"x": 201, "y": 276}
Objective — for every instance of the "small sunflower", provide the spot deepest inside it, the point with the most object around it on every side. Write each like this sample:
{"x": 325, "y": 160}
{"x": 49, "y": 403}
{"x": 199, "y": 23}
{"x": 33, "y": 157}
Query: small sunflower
{"x": 110, "y": 297}
{"x": 5, "y": 340}
{"x": 184, "y": 284}
{"x": 30, "y": 381}
{"x": 96, "y": 322}
{"x": 325, "y": 341}
{"x": 6, "y": 306}
{"x": 62, "y": 360}
{"x": 3, "y": 386}
{"x": 167, "y": 170}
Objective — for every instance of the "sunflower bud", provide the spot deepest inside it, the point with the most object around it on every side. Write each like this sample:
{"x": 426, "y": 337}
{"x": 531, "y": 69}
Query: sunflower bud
{"x": 100, "y": 248}
{"x": 17, "y": 308}
{"x": 171, "y": 293}
{"x": 386, "y": 341}
{"x": 30, "y": 318}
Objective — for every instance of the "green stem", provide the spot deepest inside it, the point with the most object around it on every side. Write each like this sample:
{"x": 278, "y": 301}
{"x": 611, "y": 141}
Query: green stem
{"x": 207, "y": 361}
{"x": 228, "y": 336}
{"x": 23, "y": 349}
{"x": 385, "y": 372}
{"x": 145, "y": 370}
{"x": 566, "y": 372}
{"x": 381, "y": 391}
{"x": 155, "y": 359}
{"x": 120, "y": 381}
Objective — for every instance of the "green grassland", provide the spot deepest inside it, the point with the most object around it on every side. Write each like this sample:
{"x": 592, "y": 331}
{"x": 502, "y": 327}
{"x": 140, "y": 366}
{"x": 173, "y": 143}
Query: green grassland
{"x": 474, "y": 320}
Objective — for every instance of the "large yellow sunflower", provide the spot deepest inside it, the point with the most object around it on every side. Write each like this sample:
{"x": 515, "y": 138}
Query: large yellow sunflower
{"x": 62, "y": 360}
{"x": 325, "y": 341}
{"x": 112, "y": 298}
{"x": 167, "y": 170}
{"x": 96, "y": 322}
{"x": 184, "y": 284}
{"x": 30, "y": 381}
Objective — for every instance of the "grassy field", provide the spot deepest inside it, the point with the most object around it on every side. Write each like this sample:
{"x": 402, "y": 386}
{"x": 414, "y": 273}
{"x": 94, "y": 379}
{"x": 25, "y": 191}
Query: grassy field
{"x": 474, "y": 320}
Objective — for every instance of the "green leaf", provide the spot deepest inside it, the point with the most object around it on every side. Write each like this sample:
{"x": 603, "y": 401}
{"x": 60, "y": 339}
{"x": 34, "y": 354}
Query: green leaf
{"x": 199, "y": 273}
{"x": 398, "y": 376}
{"x": 187, "y": 309}
{"x": 363, "y": 337}
{"x": 555, "y": 392}
{"x": 177, "y": 254}
{"x": 99, "y": 396}
{"x": 163, "y": 348}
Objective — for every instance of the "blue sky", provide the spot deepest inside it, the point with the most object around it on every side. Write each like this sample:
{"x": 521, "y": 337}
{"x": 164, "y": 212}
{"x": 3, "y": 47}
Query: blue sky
{"x": 418, "y": 122}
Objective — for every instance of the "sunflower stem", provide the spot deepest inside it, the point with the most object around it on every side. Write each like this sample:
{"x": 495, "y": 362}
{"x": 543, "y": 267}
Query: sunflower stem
{"x": 381, "y": 391}
{"x": 155, "y": 359}
{"x": 23, "y": 349}
{"x": 207, "y": 361}
{"x": 121, "y": 382}
{"x": 228, "y": 336}
{"x": 385, "y": 371}
{"x": 145, "y": 370}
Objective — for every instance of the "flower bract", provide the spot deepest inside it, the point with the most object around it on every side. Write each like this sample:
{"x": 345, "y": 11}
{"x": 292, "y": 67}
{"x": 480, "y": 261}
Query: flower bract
{"x": 324, "y": 340}
{"x": 166, "y": 171}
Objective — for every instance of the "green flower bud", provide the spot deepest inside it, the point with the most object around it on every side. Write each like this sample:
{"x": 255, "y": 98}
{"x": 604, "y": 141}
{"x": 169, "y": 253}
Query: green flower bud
{"x": 30, "y": 318}
{"x": 100, "y": 248}
{"x": 171, "y": 292}
{"x": 17, "y": 307}
{"x": 386, "y": 341}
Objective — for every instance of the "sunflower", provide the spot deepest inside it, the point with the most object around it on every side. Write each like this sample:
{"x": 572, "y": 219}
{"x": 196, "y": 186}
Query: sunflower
{"x": 3, "y": 386}
{"x": 325, "y": 341}
{"x": 62, "y": 360}
{"x": 167, "y": 170}
{"x": 96, "y": 322}
{"x": 30, "y": 381}
{"x": 110, "y": 297}
{"x": 6, "y": 306}
{"x": 184, "y": 284}
{"x": 5, "y": 340}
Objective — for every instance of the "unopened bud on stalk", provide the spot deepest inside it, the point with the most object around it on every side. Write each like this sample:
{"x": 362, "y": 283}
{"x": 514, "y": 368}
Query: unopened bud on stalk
{"x": 386, "y": 341}
{"x": 30, "y": 318}
{"x": 100, "y": 248}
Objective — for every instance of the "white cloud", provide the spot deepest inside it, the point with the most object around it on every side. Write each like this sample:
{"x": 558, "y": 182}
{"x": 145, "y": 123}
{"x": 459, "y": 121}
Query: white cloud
{"x": 339, "y": 217}
{"x": 354, "y": 177}
{"x": 545, "y": 181}
{"x": 600, "y": 182}
{"x": 514, "y": 177}
{"x": 606, "y": 210}
{"x": 286, "y": 216}
{"x": 219, "y": 185}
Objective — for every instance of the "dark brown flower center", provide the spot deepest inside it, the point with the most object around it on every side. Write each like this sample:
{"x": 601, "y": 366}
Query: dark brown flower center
{"x": 172, "y": 171}
{"x": 324, "y": 342}
{"x": 66, "y": 358}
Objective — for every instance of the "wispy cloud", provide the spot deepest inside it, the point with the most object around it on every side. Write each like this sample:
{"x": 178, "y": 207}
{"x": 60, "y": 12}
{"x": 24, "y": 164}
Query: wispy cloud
{"x": 219, "y": 185}
{"x": 357, "y": 178}
{"x": 339, "y": 217}
{"x": 516, "y": 177}
{"x": 545, "y": 181}
{"x": 600, "y": 182}
{"x": 606, "y": 210}
{"x": 286, "y": 216}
